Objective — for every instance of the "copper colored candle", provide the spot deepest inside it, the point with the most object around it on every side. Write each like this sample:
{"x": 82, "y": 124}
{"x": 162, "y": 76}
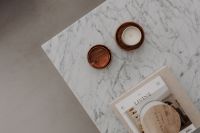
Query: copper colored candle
{"x": 99, "y": 56}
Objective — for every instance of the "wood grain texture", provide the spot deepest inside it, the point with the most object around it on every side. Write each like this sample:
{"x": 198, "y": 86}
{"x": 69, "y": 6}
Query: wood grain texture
{"x": 161, "y": 119}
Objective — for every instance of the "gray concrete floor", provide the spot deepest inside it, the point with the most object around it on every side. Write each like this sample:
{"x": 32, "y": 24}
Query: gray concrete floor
{"x": 33, "y": 96}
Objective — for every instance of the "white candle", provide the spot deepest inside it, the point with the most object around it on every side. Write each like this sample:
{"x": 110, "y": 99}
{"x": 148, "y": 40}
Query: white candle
{"x": 131, "y": 35}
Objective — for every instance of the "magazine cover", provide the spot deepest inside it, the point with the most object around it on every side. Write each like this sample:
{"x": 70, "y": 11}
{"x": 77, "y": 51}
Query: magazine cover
{"x": 130, "y": 106}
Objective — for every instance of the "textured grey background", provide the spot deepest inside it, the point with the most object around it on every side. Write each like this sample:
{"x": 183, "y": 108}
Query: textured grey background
{"x": 33, "y": 96}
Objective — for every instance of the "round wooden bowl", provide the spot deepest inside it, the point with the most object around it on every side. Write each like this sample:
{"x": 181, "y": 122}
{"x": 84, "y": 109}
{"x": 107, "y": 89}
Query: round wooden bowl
{"x": 119, "y": 34}
{"x": 158, "y": 117}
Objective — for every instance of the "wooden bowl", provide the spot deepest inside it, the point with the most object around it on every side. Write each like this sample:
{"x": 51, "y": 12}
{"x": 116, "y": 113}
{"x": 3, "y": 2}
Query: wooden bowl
{"x": 160, "y": 118}
{"x": 119, "y": 34}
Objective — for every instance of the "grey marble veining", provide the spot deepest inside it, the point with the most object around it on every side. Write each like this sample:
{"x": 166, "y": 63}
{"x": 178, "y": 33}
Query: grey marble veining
{"x": 172, "y": 37}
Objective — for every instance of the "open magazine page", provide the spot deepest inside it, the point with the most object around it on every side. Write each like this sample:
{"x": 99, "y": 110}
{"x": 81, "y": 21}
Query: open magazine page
{"x": 156, "y": 90}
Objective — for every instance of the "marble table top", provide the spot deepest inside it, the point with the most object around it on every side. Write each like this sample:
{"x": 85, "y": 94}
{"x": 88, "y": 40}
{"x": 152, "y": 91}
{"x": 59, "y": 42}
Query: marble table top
{"x": 172, "y": 37}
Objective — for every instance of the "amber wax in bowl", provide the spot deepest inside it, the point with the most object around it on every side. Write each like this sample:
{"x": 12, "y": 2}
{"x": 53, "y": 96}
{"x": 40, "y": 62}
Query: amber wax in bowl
{"x": 99, "y": 56}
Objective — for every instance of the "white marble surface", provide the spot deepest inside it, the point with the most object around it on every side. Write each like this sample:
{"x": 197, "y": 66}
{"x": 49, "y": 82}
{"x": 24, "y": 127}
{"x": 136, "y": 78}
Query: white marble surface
{"x": 172, "y": 29}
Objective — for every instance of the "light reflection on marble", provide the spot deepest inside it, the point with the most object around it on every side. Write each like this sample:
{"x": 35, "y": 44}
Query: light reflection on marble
{"x": 172, "y": 37}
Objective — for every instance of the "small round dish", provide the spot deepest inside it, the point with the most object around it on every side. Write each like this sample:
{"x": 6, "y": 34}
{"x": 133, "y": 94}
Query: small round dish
{"x": 99, "y": 56}
{"x": 157, "y": 117}
{"x": 130, "y": 36}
